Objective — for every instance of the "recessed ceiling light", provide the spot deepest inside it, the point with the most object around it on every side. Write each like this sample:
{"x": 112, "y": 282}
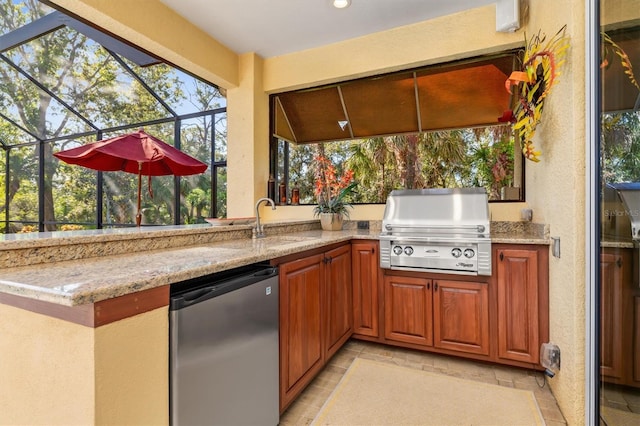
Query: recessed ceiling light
{"x": 341, "y": 4}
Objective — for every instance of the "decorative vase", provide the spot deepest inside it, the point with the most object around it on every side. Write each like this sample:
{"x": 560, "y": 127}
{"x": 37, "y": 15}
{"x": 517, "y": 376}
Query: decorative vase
{"x": 331, "y": 221}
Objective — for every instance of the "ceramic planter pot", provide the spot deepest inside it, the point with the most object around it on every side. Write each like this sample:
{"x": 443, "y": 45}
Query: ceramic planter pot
{"x": 331, "y": 221}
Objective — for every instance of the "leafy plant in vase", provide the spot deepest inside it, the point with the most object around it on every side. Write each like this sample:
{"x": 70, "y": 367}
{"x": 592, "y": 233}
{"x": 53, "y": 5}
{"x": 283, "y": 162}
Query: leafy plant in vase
{"x": 331, "y": 191}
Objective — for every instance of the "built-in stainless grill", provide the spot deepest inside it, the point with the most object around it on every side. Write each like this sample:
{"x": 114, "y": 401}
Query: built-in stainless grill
{"x": 621, "y": 215}
{"x": 437, "y": 230}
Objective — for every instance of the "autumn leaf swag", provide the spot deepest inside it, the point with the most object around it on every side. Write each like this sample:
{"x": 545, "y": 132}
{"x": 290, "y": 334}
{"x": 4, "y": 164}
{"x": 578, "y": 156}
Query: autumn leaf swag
{"x": 540, "y": 71}
{"x": 610, "y": 48}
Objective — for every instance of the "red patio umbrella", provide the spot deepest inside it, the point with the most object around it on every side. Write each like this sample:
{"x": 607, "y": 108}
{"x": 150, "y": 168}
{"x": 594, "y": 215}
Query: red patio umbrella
{"x": 138, "y": 153}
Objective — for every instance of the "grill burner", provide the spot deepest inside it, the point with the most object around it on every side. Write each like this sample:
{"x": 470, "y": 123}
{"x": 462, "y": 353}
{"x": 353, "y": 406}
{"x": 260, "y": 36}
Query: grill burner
{"x": 437, "y": 230}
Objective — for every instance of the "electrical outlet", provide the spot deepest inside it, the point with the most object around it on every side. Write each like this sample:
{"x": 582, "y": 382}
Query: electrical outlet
{"x": 550, "y": 356}
{"x": 363, "y": 224}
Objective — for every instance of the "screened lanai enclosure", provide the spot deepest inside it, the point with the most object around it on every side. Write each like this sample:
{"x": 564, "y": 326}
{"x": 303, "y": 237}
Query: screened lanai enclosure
{"x": 64, "y": 84}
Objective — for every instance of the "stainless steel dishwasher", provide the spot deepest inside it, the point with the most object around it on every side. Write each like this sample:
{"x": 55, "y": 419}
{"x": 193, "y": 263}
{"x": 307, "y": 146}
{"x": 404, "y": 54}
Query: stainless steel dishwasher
{"x": 223, "y": 361}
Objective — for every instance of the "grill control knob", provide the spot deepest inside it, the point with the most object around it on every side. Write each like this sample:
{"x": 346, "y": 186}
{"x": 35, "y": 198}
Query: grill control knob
{"x": 408, "y": 250}
{"x": 456, "y": 252}
{"x": 397, "y": 250}
{"x": 469, "y": 253}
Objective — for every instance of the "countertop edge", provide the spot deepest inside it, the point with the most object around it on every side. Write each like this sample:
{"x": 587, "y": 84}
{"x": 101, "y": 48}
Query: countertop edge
{"x": 188, "y": 262}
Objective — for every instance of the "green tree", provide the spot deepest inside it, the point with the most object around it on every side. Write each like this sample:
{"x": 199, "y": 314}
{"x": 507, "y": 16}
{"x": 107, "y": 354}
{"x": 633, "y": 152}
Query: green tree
{"x": 94, "y": 83}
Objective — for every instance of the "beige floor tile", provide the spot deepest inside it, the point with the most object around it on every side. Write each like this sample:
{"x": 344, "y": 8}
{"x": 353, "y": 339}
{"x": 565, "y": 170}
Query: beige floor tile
{"x": 555, "y": 422}
{"x": 343, "y": 358}
{"x": 552, "y": 414}
{"x": 635, "y": 409}
{"x": 336, "y": 368}
{"x": 306, "y": 407}
{"x": 632, "y": 396}
{"x": 616, "y": 394}
{"x": 617, "y": 405}
{"x": 505, "y": 382}
{"x": 374, "y": 357}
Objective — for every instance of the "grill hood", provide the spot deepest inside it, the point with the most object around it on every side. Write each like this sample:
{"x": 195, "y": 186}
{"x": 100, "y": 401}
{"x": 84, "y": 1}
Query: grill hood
{"x": 437, "y": 230}
{"x": 621, "y": 218}
{"x": 438, "y": 211}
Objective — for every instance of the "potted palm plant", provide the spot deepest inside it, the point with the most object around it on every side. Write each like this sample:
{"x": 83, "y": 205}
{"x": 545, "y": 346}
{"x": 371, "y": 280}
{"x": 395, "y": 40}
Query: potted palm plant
{"x": 331, "y": 191}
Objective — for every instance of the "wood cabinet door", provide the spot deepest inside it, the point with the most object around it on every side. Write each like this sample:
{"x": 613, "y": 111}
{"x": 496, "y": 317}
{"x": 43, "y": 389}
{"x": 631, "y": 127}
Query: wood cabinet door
{"x": 301, "y": 346}
{"x": 611, "y": 315}
{"x": 518, "y": 319}
{"x": 461, "y": 316}
{"x": 338, "y": 307}
{"x": 364, "y": 264}
{"x": 408, "y": 310}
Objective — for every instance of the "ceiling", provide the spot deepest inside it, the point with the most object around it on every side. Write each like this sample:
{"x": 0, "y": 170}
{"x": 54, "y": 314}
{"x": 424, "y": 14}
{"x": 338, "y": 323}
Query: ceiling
{"x": 277, "y": 27}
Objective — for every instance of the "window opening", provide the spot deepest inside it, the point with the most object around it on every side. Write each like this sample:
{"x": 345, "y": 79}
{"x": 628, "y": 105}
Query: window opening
{"x": 99, "y": 87}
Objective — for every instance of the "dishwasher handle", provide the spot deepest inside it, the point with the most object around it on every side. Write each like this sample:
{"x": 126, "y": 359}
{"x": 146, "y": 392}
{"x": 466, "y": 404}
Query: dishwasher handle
{"x": 214, "y": 289}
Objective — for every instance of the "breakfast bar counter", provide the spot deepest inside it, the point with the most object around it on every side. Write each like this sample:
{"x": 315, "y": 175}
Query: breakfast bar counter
{"x": 82, "y": 267}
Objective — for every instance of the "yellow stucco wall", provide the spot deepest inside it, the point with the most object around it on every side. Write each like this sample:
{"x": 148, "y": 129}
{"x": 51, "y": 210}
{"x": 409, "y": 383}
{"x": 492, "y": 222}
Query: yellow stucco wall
{"x": 46, "y": 370}
{"x": 54, "y": 372}
{"x": 131, "y": 376}
{"x": 248, "y": 136}
{"x": 456, "y": 36}
{"x": 498, "y": 211}
{"x": 554, "y": 187}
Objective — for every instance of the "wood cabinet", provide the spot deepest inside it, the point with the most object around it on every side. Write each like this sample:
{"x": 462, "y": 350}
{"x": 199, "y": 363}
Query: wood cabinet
{"x": 461, "y": 316}
{"x": 301, "y": 355}
{"x": 502, "y": 318}
{"x": 442, "y": 313}
{"x": 408, "y": 310}
{"x": 338, "y": 306}
{"x": 619, "y": 317}
{"x": 518, "y": 304}
{"x": 365, "y": 277}
{"x": 315, "y": 316}
{"x": 329, "y": 295}
{"x": 611, "y": 314}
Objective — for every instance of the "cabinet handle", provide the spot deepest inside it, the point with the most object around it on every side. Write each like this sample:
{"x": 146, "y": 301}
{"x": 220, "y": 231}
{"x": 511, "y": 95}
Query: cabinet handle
{"x": 373, "y": 250}
{"x": 428, "y": 286}
{"x": 501, "y": 256}
{"x": 619, "y": 262}
{"x": 435, "y": 286}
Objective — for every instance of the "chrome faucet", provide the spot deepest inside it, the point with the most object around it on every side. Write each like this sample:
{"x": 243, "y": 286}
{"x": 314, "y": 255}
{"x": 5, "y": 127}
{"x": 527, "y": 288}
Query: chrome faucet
{"x": 258, "y": 231}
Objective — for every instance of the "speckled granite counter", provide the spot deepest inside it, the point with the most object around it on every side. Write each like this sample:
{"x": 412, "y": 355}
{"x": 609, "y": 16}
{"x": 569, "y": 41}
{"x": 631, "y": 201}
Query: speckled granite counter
{"x": 77, "y": 268}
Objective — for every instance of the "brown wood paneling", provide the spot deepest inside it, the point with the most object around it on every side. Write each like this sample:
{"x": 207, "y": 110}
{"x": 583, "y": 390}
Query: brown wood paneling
{"x": 296, "y": 256}
{"x": 301, "y": 345}
{"x": 611, "y": 315}
{"x": 129, "y": 305}
{"x": 461, "y": 316}
{"x": 518, "y": 311}
{"x": 408, "y": 315}
{"x": 95, "y": 314}
{"x": 382, "y": 106}
{"x": 339, "y": 305}
{"x": 82, "y": 314}
{"x": 365, "y": 273}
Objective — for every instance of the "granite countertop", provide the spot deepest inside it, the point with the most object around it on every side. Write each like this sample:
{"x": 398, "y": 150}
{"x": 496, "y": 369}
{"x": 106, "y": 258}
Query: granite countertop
{"x": 89, "y": 266}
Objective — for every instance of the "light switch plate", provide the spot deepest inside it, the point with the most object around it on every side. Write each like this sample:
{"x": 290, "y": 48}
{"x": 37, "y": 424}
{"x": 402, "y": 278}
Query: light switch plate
{"x": 556, "y": 247}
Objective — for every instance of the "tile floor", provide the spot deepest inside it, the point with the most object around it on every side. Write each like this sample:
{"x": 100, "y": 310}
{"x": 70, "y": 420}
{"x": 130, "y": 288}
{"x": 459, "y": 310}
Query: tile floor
{"x": 623, "y": 398}
{"x": 308, "y": 404}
